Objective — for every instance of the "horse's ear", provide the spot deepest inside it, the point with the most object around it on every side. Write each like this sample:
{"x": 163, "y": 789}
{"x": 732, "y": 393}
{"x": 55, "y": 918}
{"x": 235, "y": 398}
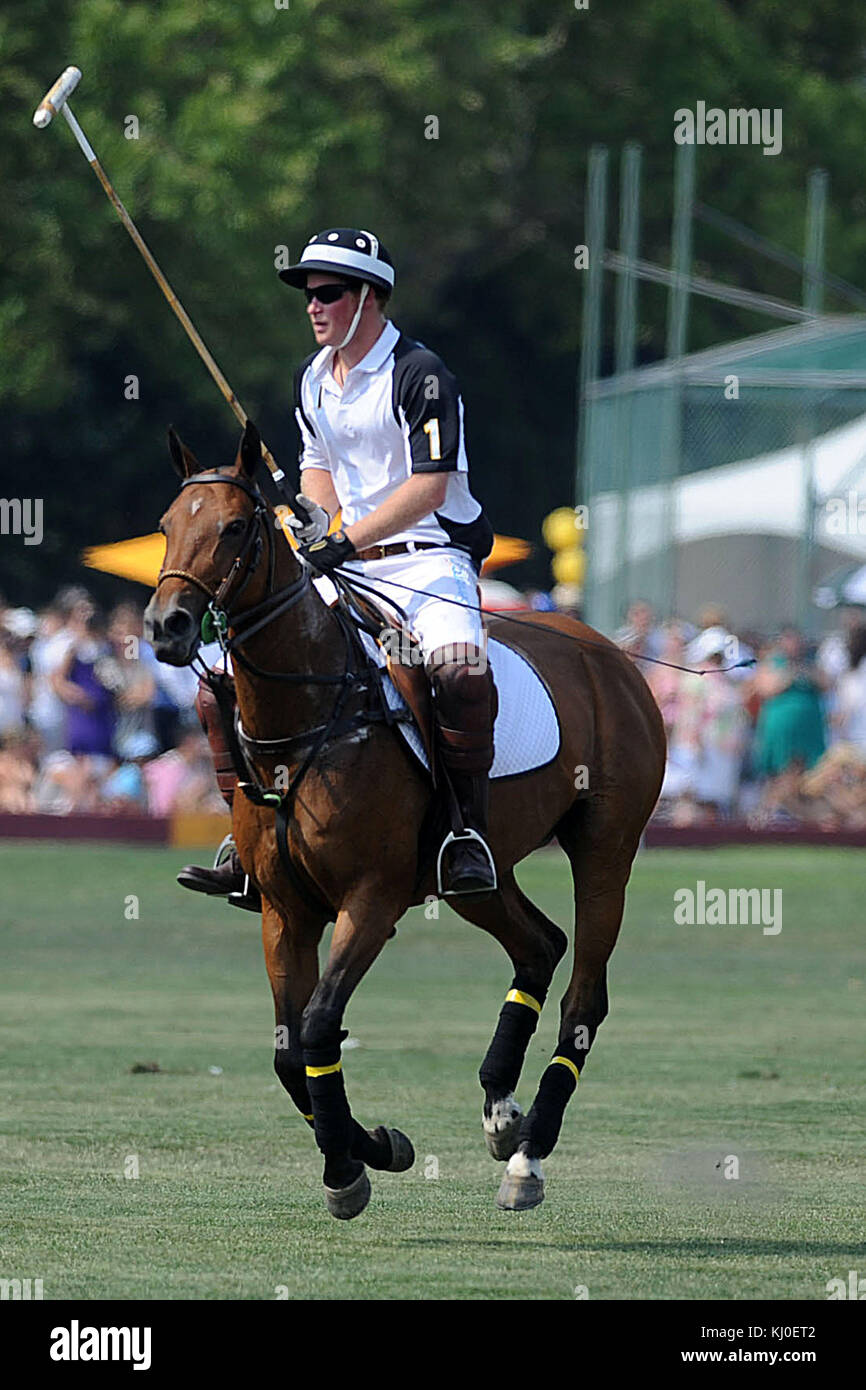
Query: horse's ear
{"x": 185, "y": 462}
{"x": 250, "y": 452}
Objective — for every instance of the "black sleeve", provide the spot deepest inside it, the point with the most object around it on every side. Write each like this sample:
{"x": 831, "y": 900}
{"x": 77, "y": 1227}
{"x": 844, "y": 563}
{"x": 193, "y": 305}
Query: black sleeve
{"x": 426, "y": 401}
{"x": 299, "y": 377}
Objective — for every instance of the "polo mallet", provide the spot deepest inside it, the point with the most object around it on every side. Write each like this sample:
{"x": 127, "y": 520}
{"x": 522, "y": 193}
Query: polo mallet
{"x": 57, "y": 99}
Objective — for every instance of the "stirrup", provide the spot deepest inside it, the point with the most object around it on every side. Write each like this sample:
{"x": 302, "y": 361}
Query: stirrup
{"x": 248, "y": 898}
{"x": 227, "y": 844}
{"x": 450, "y": 838}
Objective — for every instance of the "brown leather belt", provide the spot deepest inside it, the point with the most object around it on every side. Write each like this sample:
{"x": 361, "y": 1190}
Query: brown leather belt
{"x": 378, "y": 552}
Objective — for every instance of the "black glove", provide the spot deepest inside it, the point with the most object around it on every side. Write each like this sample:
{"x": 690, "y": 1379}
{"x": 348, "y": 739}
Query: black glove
{"x": 328, "y": 553}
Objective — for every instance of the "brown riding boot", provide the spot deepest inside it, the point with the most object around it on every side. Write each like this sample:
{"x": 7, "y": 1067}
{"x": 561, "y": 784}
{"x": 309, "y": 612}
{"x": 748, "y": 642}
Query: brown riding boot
{"x": 465, "y": 709}
{"x": 467, "y": 864}
{"x": 227, "y": 879}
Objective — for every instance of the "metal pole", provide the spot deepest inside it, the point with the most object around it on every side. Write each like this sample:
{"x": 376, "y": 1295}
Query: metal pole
{"x": 590, "y": 338}
{"x": 813, "y": 301}
{"x": 678, "y": 315}
{"x": 626, "y": 290}
{"x": 816, "y": 213}
{"x": 625, "y": 344}
{"x": 585, "y": 482}
{"x": 681, "y": 250}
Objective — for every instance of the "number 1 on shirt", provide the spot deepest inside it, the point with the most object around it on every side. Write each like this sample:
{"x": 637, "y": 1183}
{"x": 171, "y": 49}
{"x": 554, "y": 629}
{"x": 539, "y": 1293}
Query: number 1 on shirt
{"x": 431, "y": 429}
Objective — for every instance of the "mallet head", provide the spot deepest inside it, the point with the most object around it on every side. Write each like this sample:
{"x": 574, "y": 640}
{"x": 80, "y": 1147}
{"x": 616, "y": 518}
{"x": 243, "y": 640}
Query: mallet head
{"x": 56, "y": 97}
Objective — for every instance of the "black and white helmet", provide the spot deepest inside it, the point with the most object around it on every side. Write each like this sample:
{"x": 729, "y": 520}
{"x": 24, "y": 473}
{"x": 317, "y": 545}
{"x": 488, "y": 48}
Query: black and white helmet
{"x": 359, "y": 255}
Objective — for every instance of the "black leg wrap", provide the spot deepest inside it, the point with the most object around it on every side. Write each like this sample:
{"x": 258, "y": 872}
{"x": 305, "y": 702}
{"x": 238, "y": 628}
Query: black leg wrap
{"x": 500, "y": 1070}
{"x": 332, "y": 1116}
{"x": 294, "y": 1080}
{"x": 376, "y": 1153}
{"x": 540, "y": 1129}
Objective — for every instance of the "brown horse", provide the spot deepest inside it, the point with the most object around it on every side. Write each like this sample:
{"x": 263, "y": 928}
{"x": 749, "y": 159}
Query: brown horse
{"x": 357, "y": 861}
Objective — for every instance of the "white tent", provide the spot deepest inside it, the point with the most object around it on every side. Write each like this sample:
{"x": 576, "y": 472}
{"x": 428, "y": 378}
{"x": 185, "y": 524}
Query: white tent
{"x": 767, "y": 496}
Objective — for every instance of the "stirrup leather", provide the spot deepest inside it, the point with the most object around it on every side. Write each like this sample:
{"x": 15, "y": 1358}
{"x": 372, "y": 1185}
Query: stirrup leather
{"x": 452, "y": 837}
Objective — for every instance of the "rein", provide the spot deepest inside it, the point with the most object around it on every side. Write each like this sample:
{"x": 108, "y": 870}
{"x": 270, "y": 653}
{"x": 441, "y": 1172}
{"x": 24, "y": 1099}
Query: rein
{"x": 356, "y": 582}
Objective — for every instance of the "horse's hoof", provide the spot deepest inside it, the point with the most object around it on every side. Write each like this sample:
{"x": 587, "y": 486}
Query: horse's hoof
{"x": 346, "y": 1202}
{"x": 523, "y": 1184}
{"x": 402, "y": 1152}
{"x": 502, "y": 1128}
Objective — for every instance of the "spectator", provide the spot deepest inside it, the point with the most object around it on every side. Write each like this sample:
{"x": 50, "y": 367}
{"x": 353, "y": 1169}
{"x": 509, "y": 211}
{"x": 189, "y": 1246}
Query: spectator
{"x": 89, "y": 702}
{"x": 715, "y": 636}
{"x": 790, "y": 726}
{"x": 834, "y": 651}
{"x": 850, "y": 714}
{"x": 640, "y": 635}
{"x": 124, "y": 792}
{"x": 12, "y": 689}
{"x": 17, "y": 774}
{"x": 834, "y": 792}
{"x": 666, "y": 683}
{"x": 183, "y": 779}
{"x": 65, "y": 784}
{"x": 50, "y": 648}
{"x": 127, "y": 673}
{"x": 708, "y": 739}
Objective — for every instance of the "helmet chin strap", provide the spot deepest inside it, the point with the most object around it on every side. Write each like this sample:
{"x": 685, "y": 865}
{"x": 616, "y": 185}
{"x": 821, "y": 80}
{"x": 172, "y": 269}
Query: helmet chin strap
{"x": 354, "y": 324}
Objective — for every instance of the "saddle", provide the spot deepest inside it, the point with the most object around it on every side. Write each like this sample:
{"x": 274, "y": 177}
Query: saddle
{"x": 406, "y": 668}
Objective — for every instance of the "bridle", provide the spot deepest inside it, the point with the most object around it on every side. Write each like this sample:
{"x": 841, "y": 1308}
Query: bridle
{"x": 215, "y": 625}
{"x": 257, "y": 533}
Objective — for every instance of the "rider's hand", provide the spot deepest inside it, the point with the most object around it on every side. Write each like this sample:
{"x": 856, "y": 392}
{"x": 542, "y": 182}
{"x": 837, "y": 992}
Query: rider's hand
{"x": 305, "y": 532}
{"x": 329, "y": 553}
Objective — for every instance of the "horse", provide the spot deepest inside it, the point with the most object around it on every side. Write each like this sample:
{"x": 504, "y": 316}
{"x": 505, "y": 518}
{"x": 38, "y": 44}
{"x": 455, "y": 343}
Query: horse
{"x": 348, "y": 858}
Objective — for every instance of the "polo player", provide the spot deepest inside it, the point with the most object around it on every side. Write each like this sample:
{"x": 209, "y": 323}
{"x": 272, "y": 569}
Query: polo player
{"x": 382, "y": 441}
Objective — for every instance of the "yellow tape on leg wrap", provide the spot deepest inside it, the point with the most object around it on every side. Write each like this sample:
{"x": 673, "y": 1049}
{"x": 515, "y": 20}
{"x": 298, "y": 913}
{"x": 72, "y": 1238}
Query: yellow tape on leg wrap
{"x": 517, "y": 996}
{"x": 567, "y": 1062}
{"x": 324, "y": 1071}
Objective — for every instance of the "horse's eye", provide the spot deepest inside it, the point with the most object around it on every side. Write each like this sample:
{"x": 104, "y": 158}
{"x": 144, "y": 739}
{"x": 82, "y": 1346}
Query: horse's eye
{"x": 234, "y": 528}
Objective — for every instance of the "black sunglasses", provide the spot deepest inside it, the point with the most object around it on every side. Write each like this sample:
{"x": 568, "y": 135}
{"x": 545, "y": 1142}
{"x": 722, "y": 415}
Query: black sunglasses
{"x": 326, "y": 294}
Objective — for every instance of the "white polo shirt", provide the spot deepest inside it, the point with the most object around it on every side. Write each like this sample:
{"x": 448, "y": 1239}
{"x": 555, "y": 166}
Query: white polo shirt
{"x": 399, "y": 412}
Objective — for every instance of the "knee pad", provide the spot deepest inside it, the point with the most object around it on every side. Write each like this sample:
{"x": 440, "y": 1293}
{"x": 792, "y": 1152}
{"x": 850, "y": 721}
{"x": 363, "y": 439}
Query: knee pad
{"x": 465, "y": 708}
{"x": 462, "y": 685}
{"x": 207, "y": 709}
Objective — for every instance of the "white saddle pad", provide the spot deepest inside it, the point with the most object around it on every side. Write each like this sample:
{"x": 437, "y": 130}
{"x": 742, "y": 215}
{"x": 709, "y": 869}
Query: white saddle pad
{"x": 526, "y": 732}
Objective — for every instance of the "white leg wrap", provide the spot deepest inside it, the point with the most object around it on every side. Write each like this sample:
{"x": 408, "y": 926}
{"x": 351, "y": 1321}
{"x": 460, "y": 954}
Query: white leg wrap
{"x": 520, "y": 1165}
{"x": 503, "y": 1115}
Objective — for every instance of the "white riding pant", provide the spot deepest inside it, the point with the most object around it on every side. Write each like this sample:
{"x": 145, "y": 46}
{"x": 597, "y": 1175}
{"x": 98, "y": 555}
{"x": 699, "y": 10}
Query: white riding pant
{"x": 448, "y": 612}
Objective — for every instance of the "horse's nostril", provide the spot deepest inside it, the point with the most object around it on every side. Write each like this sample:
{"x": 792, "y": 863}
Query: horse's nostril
{"x": 178, "y": 623}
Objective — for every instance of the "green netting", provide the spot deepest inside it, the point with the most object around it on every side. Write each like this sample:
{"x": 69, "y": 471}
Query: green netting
{"x": 646, "y": 430}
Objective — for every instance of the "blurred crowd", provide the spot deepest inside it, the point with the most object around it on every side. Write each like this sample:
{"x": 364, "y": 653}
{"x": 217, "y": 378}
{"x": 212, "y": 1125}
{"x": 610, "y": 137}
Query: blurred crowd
{"x": 774, "y": 732}
{"x": 90, "y": 721}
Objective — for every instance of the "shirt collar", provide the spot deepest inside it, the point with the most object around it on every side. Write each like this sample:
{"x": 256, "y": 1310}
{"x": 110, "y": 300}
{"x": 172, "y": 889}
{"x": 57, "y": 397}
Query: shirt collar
{"x": 378, "y": 354}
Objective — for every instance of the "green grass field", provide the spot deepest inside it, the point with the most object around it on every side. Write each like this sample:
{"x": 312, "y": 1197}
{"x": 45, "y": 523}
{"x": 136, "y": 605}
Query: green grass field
{"x": 720, "y": 1042}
